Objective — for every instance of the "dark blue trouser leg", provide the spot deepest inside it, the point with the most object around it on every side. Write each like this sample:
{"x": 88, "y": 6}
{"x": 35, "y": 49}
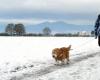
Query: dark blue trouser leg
{"x": 99, "y": 40}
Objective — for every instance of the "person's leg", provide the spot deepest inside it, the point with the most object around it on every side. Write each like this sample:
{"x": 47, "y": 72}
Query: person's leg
{"x": 99, "y": 40}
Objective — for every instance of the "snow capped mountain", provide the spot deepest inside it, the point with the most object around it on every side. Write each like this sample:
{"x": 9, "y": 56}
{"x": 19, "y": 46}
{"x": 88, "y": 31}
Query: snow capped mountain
{"x": 58, "y": 27}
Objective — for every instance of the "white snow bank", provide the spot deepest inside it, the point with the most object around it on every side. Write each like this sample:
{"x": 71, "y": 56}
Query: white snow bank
{"x": 17, "y": 54}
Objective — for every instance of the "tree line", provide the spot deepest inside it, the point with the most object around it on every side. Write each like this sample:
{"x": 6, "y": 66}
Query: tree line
{"x": 15, "y": 29}
{"x": 19, "y": 30}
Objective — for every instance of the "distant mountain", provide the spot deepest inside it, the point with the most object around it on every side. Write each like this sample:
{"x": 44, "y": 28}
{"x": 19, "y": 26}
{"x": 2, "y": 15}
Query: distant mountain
{"x": 2, "y": 27}
{"x": 56, "y": 27}
{"x": 61, "y": 27}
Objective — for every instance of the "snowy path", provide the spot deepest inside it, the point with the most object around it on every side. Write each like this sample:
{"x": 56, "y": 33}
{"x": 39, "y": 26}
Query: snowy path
{"x": 51, "y": 68}
{"x": 29, "y": 58}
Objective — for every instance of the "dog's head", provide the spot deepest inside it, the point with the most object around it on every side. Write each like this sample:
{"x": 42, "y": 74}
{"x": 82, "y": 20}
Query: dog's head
{"x": 55, "y": 52}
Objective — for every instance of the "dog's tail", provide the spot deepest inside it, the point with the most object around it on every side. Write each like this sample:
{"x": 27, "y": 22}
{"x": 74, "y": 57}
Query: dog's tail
{"x": 70, "y": 47}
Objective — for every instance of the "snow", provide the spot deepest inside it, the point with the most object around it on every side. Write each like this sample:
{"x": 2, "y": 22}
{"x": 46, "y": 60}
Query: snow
{"x": 85, "y": 70}
{"x": 29, "y": 58}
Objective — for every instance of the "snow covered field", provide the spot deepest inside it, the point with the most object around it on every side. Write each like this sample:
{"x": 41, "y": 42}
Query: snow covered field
{"x": 29, "y": 58}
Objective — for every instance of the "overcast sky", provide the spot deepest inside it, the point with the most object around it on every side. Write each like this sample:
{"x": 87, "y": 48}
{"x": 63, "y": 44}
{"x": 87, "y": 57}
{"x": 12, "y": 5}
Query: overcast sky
{"x": 36, "y": 11}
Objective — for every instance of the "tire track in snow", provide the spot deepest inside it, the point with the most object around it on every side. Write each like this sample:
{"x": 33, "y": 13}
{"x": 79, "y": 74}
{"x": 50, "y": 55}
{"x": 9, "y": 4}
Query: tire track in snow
{"x": 53, "y": 67}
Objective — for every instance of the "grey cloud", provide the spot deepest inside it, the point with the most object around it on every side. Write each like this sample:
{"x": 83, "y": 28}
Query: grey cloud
{"x": 50, "y": 9}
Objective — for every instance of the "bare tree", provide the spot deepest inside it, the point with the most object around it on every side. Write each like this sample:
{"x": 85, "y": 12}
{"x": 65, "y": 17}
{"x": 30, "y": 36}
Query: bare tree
{"x": 10, "y": 29}
{"x": 46, "y": 31}
{"x": 19, "y": 29}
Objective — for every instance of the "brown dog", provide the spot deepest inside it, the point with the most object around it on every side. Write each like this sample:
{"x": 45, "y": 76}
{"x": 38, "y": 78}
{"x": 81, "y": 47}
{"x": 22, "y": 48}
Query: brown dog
{"x": 61, "y": 54}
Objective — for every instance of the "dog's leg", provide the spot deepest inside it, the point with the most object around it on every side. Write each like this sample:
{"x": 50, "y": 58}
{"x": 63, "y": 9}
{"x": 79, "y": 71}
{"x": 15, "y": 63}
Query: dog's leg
{"x": 63, "y": 62}
{"x": 67, "y": 58}
{"x": 68, "y": 61}
{"x": 57, "y": 62}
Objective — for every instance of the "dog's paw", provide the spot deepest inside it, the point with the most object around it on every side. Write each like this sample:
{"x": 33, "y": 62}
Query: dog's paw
{"x": 56, "y": 64}
{"x": 68, "y": 62}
